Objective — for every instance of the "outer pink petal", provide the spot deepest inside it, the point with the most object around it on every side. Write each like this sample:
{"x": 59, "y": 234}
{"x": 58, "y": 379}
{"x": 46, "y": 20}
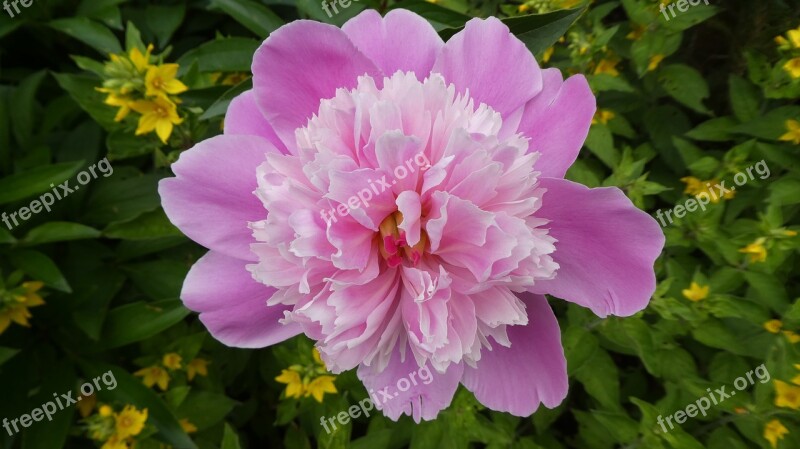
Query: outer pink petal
{"x": 300, "y": 64}
{"x": 232, "y": 305}
{"x": 532, "y": 371}
{"x": 496, "y": 67}
{"x": 400, "y": 41}
{"x": 606, "y": 248}
{"x": 558, "y": 121}
{"x": 211, "y": 197}
{"x": 244, "y": 117}
{"x": 427, "y": 391}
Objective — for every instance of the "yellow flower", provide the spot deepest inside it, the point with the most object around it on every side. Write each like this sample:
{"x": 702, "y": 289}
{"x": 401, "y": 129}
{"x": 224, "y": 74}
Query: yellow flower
{"x": 172, "y": 361}
{"x": 603, "y": 116}
{"x": 123, "y": 102}
{"x": 693, "y": 185}
{"x": 319, "y": 386}
{"x": 160, "y": 80}
{"x": 139, "y": 60}
{"x": 197, "y": 366}
{"x": 522, "y": 8}
{"x": 548, "y": 53}
{"x": 655, "y": 61}
{"x": 774, "y": 431}
{"x": 756, "y": 250}
{"x": 789, "y": 233}
{"x": 794, "y": 37}
{"x": 792, "y": 337}
{"x": 159, "y": 114}
{"x": 105, "y": 411}
{"x": 696, "y": 292}
{"x": 86, "y": 405}
{"x": 115, "y": 442}
{"x": 781, "y": 41}
{"x": 773, "y": 326}
{"x": 787, "y": 395}
{"x": 187, "y": 426}
{"x": 607, "y": 66}
{"x": 567, "y": 4}
{"x": 796, "y": 379}
{"x": 130, "y": 421}
{"x": 154, "y": 375}
{"x": 793, "y": 67}
{"x": 17, "y": 311}
{"x": 294, "y": 385}
{"x": 793, "y": 132}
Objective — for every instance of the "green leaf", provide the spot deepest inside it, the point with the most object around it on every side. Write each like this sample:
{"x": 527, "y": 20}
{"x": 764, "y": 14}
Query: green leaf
{"x": 90, "y": 33}
{"x": 130, "y": 390}
{"x": 601, "y": 143}
{"x": 7, "y": 354}
{"x": 38, "y": 180}
{"x": 59, "y": 231}
{"x": 254, "y": 16}
{"x": 82, "y": 89}
{"x": 714, "y": 130}
{"x": 164, "y": 20}
{"x": 745, "y": 100}
{"x": 24, "y": 101}
{"x": 50, "y": 434}
{"x": 205, "y": 409}
{"x": 233, "y": 54}
{"x": 686, "y": 85}
{"x": 230, "y": 440}
{"x": 123, "y": 145}
{"x": 220, "y": 106}
{"x": 150, "y": 225}
{"x": 540, "y": 31}
{"x": 123, "y": 199}
{"x": 135, "y": 322}
{"x": 41, "y": 268}
{"x": 158, "y": 279}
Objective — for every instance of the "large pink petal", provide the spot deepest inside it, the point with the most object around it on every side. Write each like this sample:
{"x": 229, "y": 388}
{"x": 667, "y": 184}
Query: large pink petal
{"x": 606, "y": 248}
{"x": 558, "y": 121}
{"x": 232, "y": 305}
{"x": 400, "y": 41}
{"x": 300, "y": 64}
{"x": 427, "y": 391}
{"x": 211, "y": 197}
{"x": 532, "y": 371}
{"x": 495, "y": 66}
{"x": 244, "y": 117}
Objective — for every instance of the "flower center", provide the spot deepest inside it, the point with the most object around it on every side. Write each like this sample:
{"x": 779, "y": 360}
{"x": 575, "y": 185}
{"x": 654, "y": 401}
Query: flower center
{"x": 393, "y": 245}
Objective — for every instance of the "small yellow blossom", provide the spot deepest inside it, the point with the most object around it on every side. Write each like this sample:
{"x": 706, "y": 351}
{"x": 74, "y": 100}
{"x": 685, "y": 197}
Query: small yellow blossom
{"x": 154, "y": 375}
{"x": 548, "y": 53}
{"x": 603, "y": 116}
{"x": 123, "y": 102}
{"x": 523, "y": 8}
{"x": 105, "y": 411}
{"x": 792, "y": 337}
{"x": 197, "y": 367}
{"x": 773, "y": 326}
{"x": 172, "y": 361}
{"x": 789, "y": 233}
{"x": 160, "y": 80}
{"x": 794, "y": 37}
{"x": 693, "y": 185}
{"x": 607, "y": 66}
{"x": 130, "y": 421}
{"x": 17, "y": 311}
{"x": 774, "y": 431}
{"x": 696, "y": 292}
{"x": 86, "y": 405}
{"x": 756, "y": 250}
{"x": 655, "y": 61}
{"x": 115, "y": 442}
{"x": 796, "y": 379}
{"x": 740, "y": 410}
{"x": 636, "y": 33}
{"x": 139, "y": 60}
{"x": 319, "y": 386}
{"x": 187, "y": 426}
{"x": 786, "y": 395}
{"x": 792, "y": 66}
{"x": 793, "y": 132}
{"x": 294, "y": 385}
{"x": 158, "y": 115}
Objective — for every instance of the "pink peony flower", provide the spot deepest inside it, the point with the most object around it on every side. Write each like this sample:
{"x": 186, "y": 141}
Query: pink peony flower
{"x": 401, "y": 201}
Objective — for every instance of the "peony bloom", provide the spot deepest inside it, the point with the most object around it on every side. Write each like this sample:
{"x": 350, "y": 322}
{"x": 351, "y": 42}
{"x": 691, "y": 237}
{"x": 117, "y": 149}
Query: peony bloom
{"x": 401, "y": 201}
